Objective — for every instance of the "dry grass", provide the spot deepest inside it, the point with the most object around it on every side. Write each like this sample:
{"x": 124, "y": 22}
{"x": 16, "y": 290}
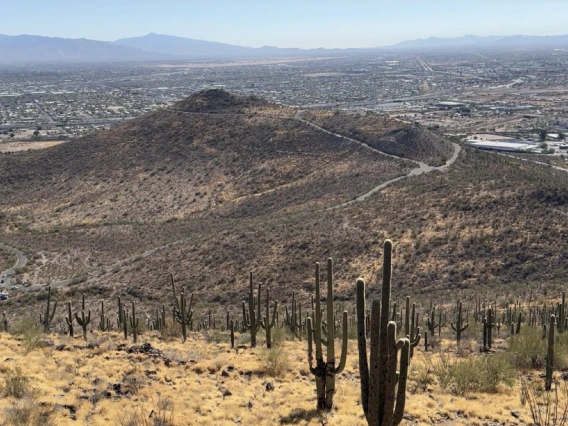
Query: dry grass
{"x": 210, "y": 384}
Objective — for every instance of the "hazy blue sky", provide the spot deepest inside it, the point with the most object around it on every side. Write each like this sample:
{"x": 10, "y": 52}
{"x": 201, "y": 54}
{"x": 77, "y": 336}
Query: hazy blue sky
{"x": 299, "y": 23}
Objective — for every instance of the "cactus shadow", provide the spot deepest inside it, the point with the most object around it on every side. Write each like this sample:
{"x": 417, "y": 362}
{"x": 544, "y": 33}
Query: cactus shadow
{"x": 298, "y": 415}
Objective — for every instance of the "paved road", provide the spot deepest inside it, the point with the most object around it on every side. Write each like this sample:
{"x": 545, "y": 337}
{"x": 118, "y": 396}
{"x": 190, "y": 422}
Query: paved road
{"x": 421, "y": 169}
{"x": 21, "y": 261}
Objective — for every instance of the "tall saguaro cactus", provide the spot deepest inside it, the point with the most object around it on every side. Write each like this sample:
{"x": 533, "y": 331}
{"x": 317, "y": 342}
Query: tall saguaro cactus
{"x": 325, "y": 372}
{"x": 550, "y": 354}
{"x": 383, "y": 389}
{"x": 562, "y": 314}
{"x": 134, "y": 323}
{"x": 266, "y": 322}
{"x": 69, "y": 319}
{"x": 46, "y": 319}
{"x": 251, "y": 318}
{"x": 183, "y": 312}
{"x": 83, "y": 320}
{"x": 459, "y": 328}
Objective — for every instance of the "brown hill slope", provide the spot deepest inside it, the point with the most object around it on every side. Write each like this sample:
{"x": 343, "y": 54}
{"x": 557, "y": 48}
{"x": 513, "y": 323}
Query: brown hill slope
{"x": 386, "y": 134}
{"x": 172, "y": 164}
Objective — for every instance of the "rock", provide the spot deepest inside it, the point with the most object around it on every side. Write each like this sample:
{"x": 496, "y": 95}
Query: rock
{"x": 515, "y": 414}
{"x": 61, "y": 348}
{"x": 150, "y": 373}
{"x": 224, "y": 373}
{"x": 407, "y": 416}
{"x": 269, "y": 387}
{"x": 226, "y": 392}
{"x": 249, "y": 404}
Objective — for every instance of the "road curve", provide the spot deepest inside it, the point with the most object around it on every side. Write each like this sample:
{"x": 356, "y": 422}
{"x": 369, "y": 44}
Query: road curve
{"x": 21, "y": 261}
{"x": 421, "y": 169}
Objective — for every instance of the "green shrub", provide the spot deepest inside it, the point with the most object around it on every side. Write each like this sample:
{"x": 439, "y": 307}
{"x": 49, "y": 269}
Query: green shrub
{"x": 472, "y": 374}
{"x": 29, "y": 331}
{"x": 528, "y": 349}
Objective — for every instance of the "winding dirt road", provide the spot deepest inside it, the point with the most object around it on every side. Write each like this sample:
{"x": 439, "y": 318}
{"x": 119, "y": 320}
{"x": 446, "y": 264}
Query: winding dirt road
{"x": 421, "y": 169}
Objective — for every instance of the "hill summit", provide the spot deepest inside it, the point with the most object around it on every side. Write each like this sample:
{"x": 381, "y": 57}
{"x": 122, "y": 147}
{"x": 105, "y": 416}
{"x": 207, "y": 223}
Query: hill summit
{"x": 218, "y": 101}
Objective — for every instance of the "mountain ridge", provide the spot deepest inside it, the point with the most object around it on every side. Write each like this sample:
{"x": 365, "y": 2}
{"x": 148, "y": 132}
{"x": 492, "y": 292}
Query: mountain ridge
{"x": 158, "y": 47}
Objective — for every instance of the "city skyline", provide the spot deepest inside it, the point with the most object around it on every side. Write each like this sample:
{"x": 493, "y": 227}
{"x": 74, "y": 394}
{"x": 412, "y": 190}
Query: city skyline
{"x": 329, "y": 24}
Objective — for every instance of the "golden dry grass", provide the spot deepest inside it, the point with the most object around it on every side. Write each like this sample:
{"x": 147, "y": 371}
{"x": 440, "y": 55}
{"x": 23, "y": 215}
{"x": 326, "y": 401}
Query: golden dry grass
{"x": 192, "y": 389}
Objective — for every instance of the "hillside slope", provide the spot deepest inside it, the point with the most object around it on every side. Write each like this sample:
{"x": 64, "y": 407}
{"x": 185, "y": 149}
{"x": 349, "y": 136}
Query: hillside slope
{"x": 217, "y": 194}
{"x": 173, "y": 164}
{"x": 386, "y": 134}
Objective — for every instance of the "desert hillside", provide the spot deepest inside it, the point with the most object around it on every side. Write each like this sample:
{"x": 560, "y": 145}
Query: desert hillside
{"x": 214, "y": 194}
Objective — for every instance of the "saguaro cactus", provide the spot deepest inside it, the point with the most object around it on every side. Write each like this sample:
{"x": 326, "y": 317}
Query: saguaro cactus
{"x": 120, "y": 318}
{"x": 46, "y": 319}
{"x": 83, "y": 321}
{"x": 69, "y": 319}
{"x": 459, "y": 328}
{"x": 266, "y": 322}
{"x": 325, "y": 372}
{"x": 562, "y": 314}
{"x": 104, "y": 321}
{"x": 383, "y": 401}
{"x": 294, "y": 318}
{"x": 183, "y": 312}
{"x": 251, "y": 318}
{"x": 134, "y": 323}
{"x": 550, "y": 354}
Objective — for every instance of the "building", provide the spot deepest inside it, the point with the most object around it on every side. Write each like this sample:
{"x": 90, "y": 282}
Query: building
{"x": 506, "y": 146}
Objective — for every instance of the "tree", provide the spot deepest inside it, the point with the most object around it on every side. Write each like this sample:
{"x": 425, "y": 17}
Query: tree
{"x": 561, "y": 136}
{"x": 543, "y": 134}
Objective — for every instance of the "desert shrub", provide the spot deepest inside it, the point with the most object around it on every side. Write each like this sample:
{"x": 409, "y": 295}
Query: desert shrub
{"x": 528, "y": 349}
{"x": 29, "y": 412}
{"x": 275, "y": 360}
{"x": 422, "y": 376}
{"x": 160, "y": 414}
{"x": 495, "y": 370}
{"x": 29, "y": 331}
{"x": 216, "y": 336}
{"x": 16, "y": 383}
{"x": 472, "y": 374}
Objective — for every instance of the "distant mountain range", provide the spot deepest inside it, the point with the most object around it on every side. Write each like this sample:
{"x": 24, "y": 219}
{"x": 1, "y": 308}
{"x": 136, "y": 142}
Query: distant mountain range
{"x": 488, "y": 42}
{"x": 31, "y": 49}
{"x": 157, "y": 47}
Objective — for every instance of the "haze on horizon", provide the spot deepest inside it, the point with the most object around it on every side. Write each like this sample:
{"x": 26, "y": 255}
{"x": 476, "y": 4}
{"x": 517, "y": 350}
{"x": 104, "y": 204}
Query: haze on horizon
{"x": 292, "y": 23}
